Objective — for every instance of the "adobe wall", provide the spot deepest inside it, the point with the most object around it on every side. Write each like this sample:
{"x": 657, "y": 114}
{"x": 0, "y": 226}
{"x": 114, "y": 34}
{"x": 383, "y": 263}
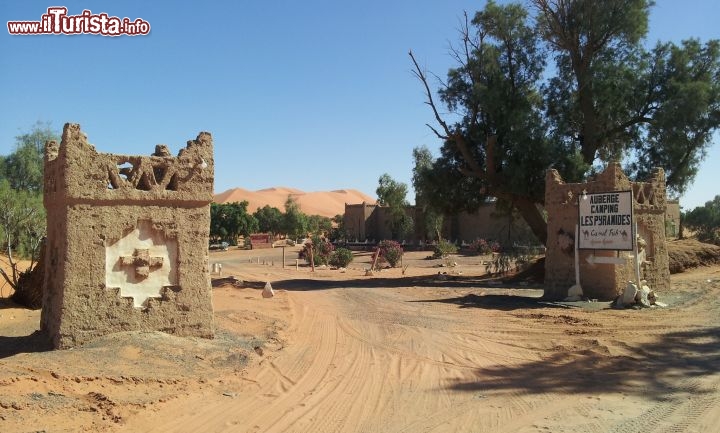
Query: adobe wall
{"x": 359, "y": 221}
{"x": 127, "y": 242}
{"x": 364, "y": 221}
{"x": 604, "y": 281}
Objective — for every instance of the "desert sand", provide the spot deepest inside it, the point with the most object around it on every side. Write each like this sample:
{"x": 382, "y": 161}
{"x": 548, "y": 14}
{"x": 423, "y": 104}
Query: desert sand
{"x": 323, "y": 203}
{"x": 338, "y": 351}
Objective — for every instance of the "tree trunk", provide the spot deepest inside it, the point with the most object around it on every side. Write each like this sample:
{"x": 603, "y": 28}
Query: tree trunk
{"x": 533, "y": 216}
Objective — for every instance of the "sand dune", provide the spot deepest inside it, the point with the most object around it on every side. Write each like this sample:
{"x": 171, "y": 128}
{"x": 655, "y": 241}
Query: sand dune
{"x": 324, "y": 203}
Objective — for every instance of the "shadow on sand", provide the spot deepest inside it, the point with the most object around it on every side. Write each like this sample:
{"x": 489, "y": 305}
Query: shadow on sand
{"x": 36, "y": 342}
{"x": 429, "y": 281}
{"x": 502, "y": 302}
{"x": 663, "y": 369}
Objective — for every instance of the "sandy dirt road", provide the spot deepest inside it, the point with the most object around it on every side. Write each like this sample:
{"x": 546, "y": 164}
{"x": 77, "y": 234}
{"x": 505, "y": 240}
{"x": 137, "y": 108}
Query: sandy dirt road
{"x": 340, "y": 352}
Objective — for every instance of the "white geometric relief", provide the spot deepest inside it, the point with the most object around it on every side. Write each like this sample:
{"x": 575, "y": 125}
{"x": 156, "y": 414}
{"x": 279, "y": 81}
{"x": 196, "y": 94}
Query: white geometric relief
{"x": 141, "y": 264}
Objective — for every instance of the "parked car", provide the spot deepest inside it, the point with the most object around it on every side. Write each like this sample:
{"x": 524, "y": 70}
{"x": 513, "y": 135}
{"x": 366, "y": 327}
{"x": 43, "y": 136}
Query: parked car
{"x": 222, "y": 246}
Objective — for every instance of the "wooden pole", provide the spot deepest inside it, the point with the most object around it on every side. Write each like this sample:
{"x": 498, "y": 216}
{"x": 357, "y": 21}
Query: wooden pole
{"x": 377, "y": 255}
{"x": 637, "y": 258}
{"x": 577, "y": 256}
{"x": 312, "y": 259}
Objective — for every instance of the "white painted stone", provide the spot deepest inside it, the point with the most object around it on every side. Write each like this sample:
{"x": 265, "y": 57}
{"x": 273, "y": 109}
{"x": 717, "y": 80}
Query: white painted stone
{"x": 119, "y": 272}
{"x": 268, "y": 291}
{"x": 642, "y": 296}
{"x": 575, "y": 293}
{"x": 628, "y": 296}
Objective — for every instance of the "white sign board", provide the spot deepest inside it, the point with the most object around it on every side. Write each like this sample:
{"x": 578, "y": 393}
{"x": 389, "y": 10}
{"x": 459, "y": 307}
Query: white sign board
{"x": 606, "y": 221}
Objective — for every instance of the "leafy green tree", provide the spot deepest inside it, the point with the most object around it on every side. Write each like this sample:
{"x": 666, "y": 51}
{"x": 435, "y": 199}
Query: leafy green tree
{"x": 230, "y": 220}
{"x": 269, "y": 219}
{"x": 319, "y": 224}
{"x": 337, "y": 231}
{"x": 23, "y": 168}
{"x": 705, "y": 220}
{"x": 22, "y": 227}
{"x": 612, "y": 98}
{"x": 22, "y": 215}
{"x": 295, "y": 222}
{"x": 392, "y": 194}
{"x": 431, "y": 192}
{"x": 606, "y": 98}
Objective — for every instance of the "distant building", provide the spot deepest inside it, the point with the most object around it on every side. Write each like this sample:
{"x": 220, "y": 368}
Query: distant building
{"x": 370, "y": 222}
{"x": 365, "y": 221}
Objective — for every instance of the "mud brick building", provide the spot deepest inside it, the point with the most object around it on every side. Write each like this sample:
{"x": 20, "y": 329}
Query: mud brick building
{"x": 127, "y": 242}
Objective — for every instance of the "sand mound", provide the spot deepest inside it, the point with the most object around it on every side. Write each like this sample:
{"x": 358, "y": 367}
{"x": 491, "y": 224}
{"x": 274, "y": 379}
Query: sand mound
{"x": 691, "y": 253}
{"x": 324, "y": 203}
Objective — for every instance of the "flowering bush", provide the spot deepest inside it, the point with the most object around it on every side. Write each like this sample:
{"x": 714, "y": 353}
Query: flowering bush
{"x": 390, "y": 252}
{"x": 483, "y": 246}
{"x": 322, "y": 249}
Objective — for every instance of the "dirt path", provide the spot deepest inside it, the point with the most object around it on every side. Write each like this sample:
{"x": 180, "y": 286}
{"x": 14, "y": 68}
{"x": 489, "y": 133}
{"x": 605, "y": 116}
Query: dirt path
{"x": 427, "y": 358}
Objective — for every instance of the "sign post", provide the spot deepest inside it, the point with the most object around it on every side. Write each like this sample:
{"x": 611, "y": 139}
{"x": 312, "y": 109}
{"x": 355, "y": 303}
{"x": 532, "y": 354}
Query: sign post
{"x": 606, "y": 221}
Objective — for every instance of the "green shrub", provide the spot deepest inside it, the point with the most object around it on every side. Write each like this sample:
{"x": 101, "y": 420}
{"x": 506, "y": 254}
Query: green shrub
{"x": 444, "y": 249}
{"x": 390, "y": 252}
{"x": 341, "y": 257}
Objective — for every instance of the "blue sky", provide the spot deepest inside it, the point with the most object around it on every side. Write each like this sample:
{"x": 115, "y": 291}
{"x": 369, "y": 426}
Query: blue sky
{"x": 315, "y": 95}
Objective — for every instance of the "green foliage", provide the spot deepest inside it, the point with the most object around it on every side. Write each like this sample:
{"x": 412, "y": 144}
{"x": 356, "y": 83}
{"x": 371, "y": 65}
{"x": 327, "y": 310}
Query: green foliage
{"x": 322, "y": 251}
{"x": 22, "y": 227}
{"x": 440, "y": 185}
{"x": 337, "y": 232}
{"x": 401, "y": 225}
{"x": 295, "y": 223}
{"x": 432, "y": 195}
{"x": 230, "y": 220}
{"x": 483, "y": 246}
{"x": 269, "y": 219}
{"x": 606, "y": 98}
{"x": 503, "y": 260}
{"x": 341, "y": 258}
{"x": 433, "y": 224}
{"x": 392, "y": 194}
{"x": 390, "y": 252}
{"x": 705, "y": 220}
{"x": 23, "y": 168}
{"x": 499, "y": 265}
{"x": 443, "y": 249}
{"x": 22, "y": 215}
{"x": 319, "y": 224}
{"x": 687, "y": 111}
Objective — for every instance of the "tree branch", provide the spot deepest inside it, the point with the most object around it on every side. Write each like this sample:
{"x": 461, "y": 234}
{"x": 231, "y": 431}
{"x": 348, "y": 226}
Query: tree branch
{"x": 421, "y": 76}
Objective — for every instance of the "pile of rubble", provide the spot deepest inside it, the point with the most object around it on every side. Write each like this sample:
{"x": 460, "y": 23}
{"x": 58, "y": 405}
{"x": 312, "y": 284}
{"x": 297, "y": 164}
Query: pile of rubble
{"x": 634, "y": 297}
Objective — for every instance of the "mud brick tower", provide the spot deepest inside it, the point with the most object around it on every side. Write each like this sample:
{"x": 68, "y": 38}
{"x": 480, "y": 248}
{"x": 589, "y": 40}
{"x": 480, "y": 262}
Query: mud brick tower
{"x": 127, "y": 242}
{"x": 605, "y": 281}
